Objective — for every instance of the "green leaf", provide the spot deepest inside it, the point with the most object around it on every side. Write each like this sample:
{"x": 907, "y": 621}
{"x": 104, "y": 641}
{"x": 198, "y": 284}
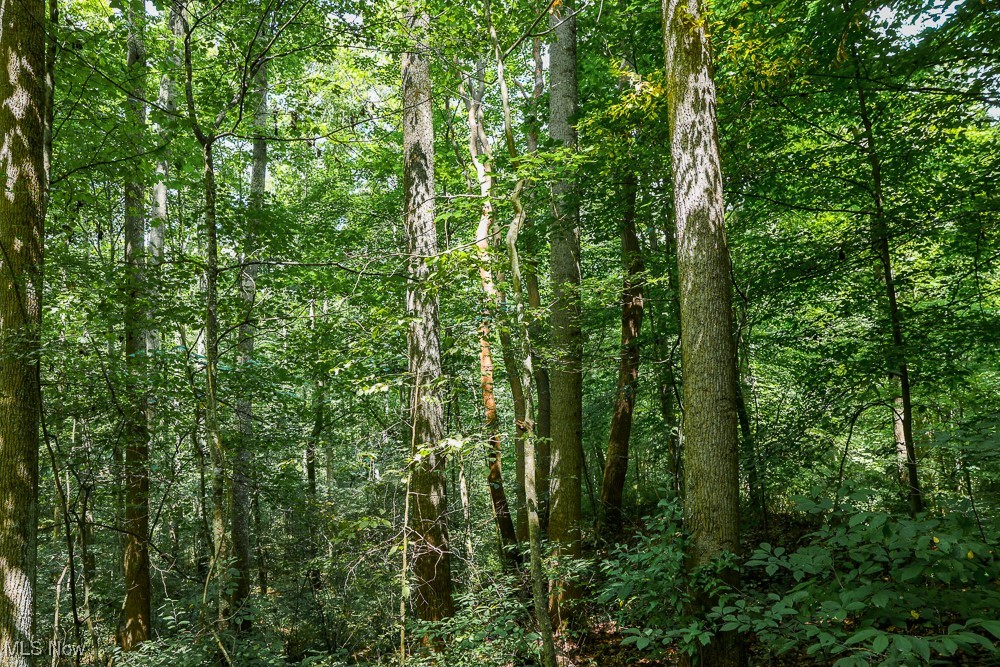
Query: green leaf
{"x": 861, "y": 636}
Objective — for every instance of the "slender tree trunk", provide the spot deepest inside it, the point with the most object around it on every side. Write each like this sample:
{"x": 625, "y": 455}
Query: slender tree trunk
{"x": 22, "y": 221}
{"x": 312, "y": 449}
{"x": 136, "y": 609}
{"x": 213, "y": 428}
{"x": 567, "y": 337}
{"x": 479, "y": 149}
{"x": 427, "y": 523}
{"x": 167, "y": 100}
{"x": 708, "y": 354}
{"x": 663, "y": 330}
{"x": 616, "y": 463}
{"x": 524, "y": 369}
{"x": 538, "y": 333}
{"x": 898, "y": 369}
{"x": 245, "y": 346}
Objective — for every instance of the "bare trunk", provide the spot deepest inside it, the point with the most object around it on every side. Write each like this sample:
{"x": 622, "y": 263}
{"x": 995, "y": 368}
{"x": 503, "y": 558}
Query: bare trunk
{"x": 22, "y": 222}
{"x": 708, "y": 354}
{"x": 479, "y": 149}
{"x": 521, "y": 366}
{"x": 538, "y": 333}
{"x": 136, "y": 609}
{"x": 245, "y": 346}
{"x": 567, "y": 337}
{"x": 616, "y": 464}
{"x": 898, "y": 369}
{"x": 427, "y": 523}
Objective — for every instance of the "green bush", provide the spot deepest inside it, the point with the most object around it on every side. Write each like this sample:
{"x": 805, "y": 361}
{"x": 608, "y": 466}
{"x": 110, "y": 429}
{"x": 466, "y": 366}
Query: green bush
{"x": 492, "y": 626}
{"x": 872, "y": 588}
{"x": 649, "y": 582}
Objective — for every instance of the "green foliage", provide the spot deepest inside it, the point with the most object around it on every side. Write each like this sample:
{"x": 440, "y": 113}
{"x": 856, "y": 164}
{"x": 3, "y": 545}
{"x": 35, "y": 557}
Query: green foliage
{"x": 871, "y": 586}
{"x": 491, "y": 627}
{"x": 652, "y": 591}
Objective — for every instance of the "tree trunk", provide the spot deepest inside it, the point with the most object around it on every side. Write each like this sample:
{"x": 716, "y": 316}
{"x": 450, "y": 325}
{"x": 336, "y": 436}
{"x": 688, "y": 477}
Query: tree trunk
{"x": 567, "y": 338}
{"x": 538, "y": 333}
{"x": 427, "y": 523}
{"x": 245, "y": 346}
{"x": 616, "y": 464}
{"x": 481, "y": 154}
{"x": 755, "y": 482}
{"x": 22, "y": 222}
{"x": 524, "y": 369}
{"x": 167, "y": 101}
{"x": 213, "y": 428}
{"x": 708, "y": 354}
{"x": 898, "y": 368}
{"x": 136, "y": 609}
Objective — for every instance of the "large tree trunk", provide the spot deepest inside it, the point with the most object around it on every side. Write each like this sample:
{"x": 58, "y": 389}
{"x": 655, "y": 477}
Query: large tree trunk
{"x": 428, "y": 523}
{"x": 616, "y": 464}
{"x": 22, "y": 222}
{"x": 481, "y": 154}
{"x": 245, "y": 347}
{"x": 898, "y": 369}
{"x": 136, "y": 609}
{"x": 708, "y": 354}
{"x": 567, "y": 338}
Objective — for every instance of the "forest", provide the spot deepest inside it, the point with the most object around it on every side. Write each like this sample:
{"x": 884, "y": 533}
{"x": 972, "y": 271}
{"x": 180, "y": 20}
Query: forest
{"x": 499, "y": 333}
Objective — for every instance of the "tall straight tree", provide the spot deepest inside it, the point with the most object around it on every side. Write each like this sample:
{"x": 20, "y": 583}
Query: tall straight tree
{"x": 245, "y": 346}
{"x": 899, "y": 373}
{"x": 24, "y": 179}
{"x": 428, "y": 524}
{"x": 708, "y": 354}
{"x": 213, "y": 427}
{"x": 567, "y": 338}
{"x": 136, "y": 609}
{"x": 616, "y": 464}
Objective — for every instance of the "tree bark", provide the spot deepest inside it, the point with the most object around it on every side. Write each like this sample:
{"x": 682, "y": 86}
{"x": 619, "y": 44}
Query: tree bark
{"x": 538, "y": 333}
{"x": 567, "y": 337}
{"x": 708, "y": 354}
{"x": 427, "y": 523}
{"x": 481, "y": 154}
{"x": 245, "y": 347}
{"x": 22, "y": 221}
{"x": 136, "y": 621}
{"x": 616, "y": 463}
{"x": 525, "y": 371}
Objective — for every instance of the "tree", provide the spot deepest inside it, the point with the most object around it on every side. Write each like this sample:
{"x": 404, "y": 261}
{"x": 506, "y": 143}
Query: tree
{"x": 481, "y": 153}
{"x": 566, "y": 372}
{"x": 902, "y": 409}
{"x": 428, "y": 503}
{"x": 136, "y": 624}
{"x": 708, "y": 355}
{"x": 22, "y": 223}
{"x": 245, "y": 345}
{"x": 616, "y": 464}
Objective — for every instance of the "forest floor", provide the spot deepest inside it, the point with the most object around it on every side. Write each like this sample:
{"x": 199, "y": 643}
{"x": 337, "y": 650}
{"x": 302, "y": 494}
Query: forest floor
{"x": 601, "y": 646}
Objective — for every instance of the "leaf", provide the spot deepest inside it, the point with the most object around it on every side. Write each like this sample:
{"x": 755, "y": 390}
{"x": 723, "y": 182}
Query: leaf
{"x": 861, "y": 636}
{"x": 881, "y": 643}
{"x": 993, "y": 627}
